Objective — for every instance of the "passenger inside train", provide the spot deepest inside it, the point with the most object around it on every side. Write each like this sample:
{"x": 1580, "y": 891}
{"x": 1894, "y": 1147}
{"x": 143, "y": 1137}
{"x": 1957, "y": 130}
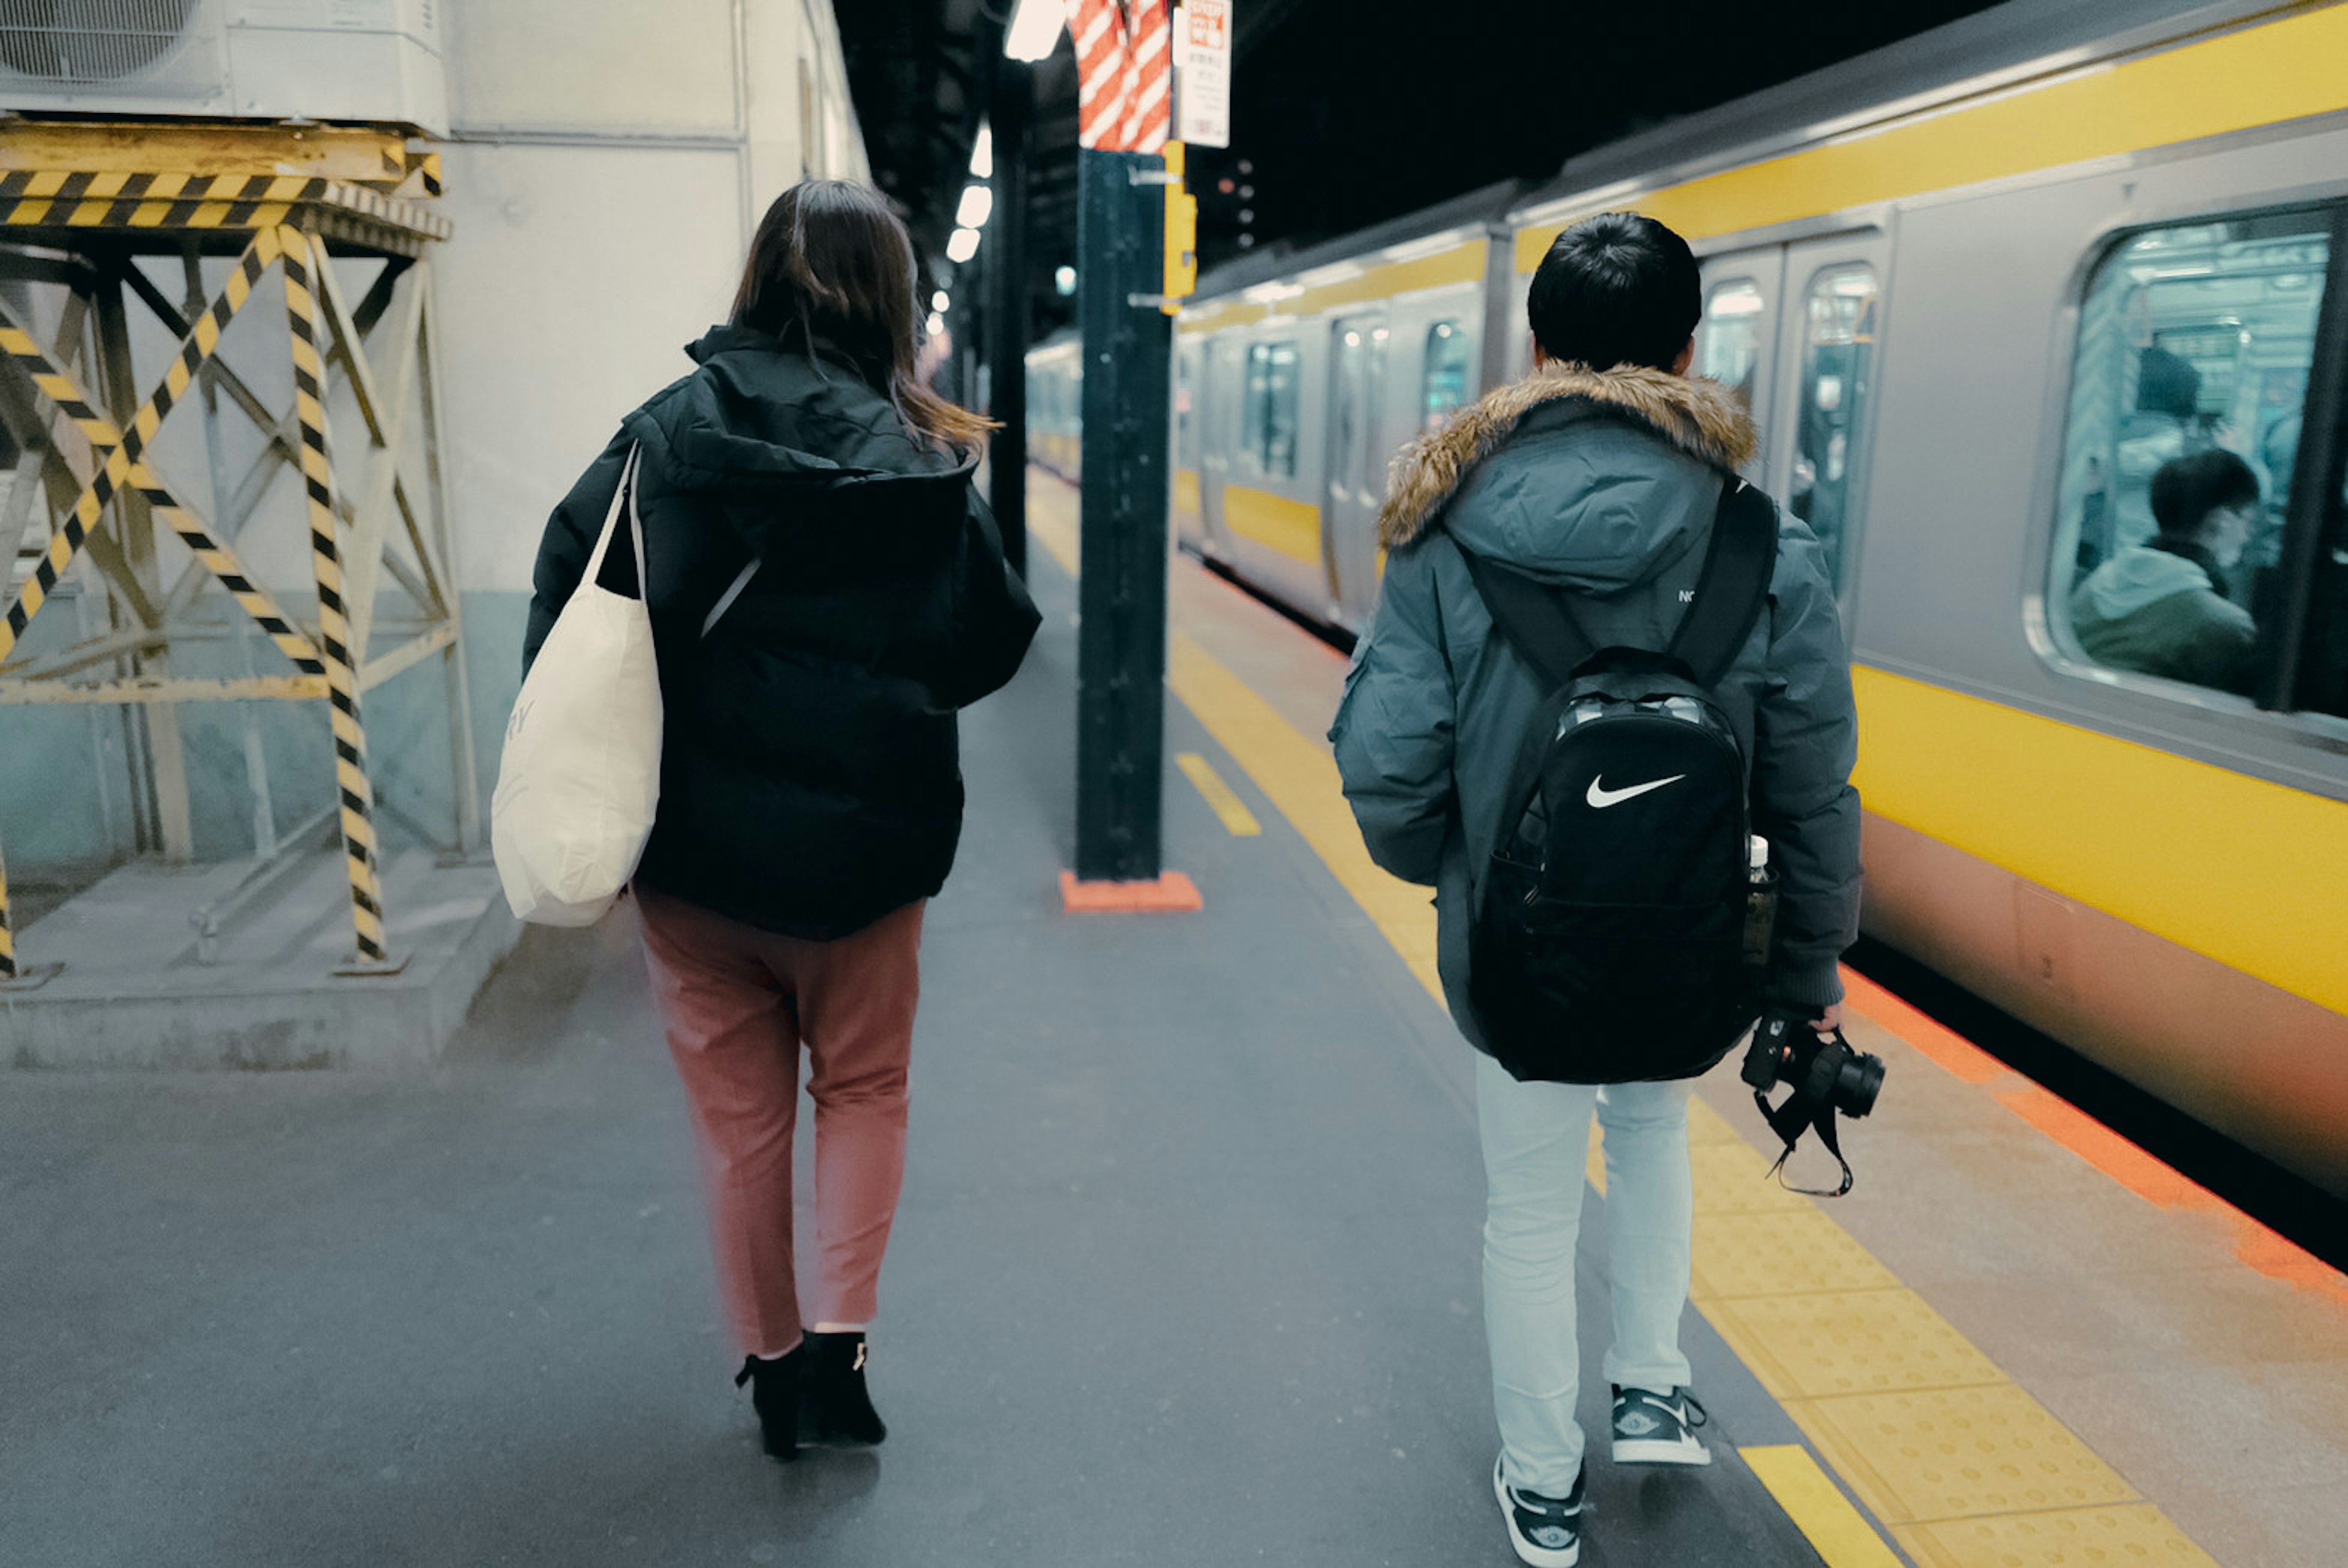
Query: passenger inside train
{"x": 2161, "y": 608}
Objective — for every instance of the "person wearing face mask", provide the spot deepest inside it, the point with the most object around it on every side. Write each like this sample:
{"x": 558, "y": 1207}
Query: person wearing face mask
{"x": 2160, "y": 608}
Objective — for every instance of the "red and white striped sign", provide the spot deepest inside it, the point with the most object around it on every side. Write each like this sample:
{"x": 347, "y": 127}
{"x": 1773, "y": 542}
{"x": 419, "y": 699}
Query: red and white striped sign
{"x": 1124, "y": 75}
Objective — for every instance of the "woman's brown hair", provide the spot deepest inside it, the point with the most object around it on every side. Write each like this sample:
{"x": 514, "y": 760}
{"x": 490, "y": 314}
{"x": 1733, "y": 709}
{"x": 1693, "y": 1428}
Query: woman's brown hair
{"x": 831, "y": 262}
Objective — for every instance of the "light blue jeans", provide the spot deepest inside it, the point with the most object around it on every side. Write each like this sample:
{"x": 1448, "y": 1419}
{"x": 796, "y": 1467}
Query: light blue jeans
{"x": 1536, "y": 1147}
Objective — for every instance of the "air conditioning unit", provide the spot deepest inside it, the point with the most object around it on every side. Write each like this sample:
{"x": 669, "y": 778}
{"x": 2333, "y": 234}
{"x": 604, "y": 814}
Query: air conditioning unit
{"x": 368, "y": 61}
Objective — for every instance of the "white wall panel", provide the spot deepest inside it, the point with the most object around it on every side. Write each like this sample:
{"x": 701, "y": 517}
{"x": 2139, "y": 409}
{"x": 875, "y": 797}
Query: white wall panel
{"x": 608, "y": 67}
{"x": 574, "y": 277}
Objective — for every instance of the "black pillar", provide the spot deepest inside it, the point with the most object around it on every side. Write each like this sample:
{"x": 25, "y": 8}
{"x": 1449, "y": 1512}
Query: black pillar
{"x": 1121, "y": 640}
{"x": 1009, "y": 109}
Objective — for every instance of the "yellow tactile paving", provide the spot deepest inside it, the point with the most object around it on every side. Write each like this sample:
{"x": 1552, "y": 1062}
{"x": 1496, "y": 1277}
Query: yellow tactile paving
{"x": 1966, "y": 1469}
{"x": 1847, "y": 1342}
{"x": 1795, "y": 1252}
{"x": 1730, "y": 1176}
{"x": 1957, "y": 1453}
{"x": 2132, "y": 1533}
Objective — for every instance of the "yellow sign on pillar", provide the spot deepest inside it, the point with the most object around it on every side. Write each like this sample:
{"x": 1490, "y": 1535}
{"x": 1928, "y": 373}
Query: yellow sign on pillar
{"x": 1181, "y": 235}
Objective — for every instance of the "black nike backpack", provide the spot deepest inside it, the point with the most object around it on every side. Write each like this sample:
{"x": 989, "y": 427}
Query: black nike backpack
{"x": 1607, "y": 944}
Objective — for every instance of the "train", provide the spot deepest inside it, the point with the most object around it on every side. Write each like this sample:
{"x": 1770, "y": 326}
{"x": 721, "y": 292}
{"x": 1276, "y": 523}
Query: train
{"x": 1974, "y": 288}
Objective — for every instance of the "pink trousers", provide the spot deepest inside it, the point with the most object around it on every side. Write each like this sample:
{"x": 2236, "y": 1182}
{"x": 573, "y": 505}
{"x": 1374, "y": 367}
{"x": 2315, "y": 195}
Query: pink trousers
{"x": 738, "y": 1003}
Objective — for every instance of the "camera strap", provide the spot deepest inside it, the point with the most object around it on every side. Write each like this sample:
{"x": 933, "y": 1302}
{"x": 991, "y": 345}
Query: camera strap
{"x": 1787, "y": 1121}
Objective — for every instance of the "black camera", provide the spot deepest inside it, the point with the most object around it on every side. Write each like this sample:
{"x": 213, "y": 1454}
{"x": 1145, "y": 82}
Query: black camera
{"x": 1826, "y": 1075}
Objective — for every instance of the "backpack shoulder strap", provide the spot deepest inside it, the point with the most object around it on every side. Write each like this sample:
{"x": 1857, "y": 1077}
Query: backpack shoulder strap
{"x": 1733, "y": 585}
{"x": 1533, "y": 616}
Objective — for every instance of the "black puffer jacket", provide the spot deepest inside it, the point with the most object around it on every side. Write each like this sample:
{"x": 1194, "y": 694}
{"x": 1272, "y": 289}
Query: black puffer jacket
{"x": 811, "y": 777}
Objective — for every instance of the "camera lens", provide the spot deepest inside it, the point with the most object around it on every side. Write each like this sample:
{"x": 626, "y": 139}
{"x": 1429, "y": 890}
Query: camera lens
{"x": 1859, "y": 1079}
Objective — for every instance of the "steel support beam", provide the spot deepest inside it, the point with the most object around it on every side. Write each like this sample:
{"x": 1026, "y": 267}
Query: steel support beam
{"x": 1121, "y": 641}
{"x": 1011, "y": 106}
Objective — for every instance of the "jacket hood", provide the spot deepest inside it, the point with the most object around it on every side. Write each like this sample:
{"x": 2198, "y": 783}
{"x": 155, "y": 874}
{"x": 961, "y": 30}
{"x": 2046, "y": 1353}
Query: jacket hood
{"x": 1696, "y": 417}
{"x": 763, "y": 415}
{"x": 2136, "y": 577}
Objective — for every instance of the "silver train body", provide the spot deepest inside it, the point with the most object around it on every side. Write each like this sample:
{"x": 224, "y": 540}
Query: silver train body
{"x": 1936, "y": 272}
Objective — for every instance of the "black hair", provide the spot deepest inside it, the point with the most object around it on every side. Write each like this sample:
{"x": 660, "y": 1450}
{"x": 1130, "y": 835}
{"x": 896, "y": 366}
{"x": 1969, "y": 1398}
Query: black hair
{"x": 2186, "y": 490}
{"x": 1616, "y": 289}
{"x": 2167, "y": 384}
{"x": 831, "y": 260}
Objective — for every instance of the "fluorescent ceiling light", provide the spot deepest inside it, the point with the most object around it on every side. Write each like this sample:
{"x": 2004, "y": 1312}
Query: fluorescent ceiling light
{"x": 1270, "y": 293}
{"x": 977, "y": 204}
{"x": 940, "y": 301}
{"x": 981, "y": 152}
{"x": 962, "y": 245}
{"x": 1035, "y": 30}
{"x": 937, "y": 325}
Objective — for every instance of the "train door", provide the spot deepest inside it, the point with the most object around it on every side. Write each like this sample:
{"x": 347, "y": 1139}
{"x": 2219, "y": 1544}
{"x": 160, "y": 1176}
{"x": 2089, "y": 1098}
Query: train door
{"x": 1189, "y": 524}
{"x": 1737, "y": 341}
{"x": 1828, "y": 341}
{"x": 1220, "y": 428}
{"x": 1356, "y": 466}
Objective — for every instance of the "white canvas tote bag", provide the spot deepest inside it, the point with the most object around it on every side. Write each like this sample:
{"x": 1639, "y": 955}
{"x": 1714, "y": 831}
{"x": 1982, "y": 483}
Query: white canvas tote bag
{"x": 579, "y": 775}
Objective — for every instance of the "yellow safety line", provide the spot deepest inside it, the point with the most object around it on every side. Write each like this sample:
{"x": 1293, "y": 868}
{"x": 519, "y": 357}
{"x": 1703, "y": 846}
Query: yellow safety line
{"x": 1055, "y": 527}
{"x": 1942, "y": 1445}
{"x": 1817, "y": 1506}
{"x": 1227, "y": 807}
{"x": 1300, "y": 777}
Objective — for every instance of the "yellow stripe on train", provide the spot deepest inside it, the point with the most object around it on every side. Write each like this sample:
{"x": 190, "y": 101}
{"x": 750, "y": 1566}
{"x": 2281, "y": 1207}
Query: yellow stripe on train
{"x": 1290, "y": 528}
{"x": 2284, "y": 70}
{"x": 2212, "y": 859}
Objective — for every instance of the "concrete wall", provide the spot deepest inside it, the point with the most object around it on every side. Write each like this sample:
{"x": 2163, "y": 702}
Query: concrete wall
{"x": 607, "y": 163}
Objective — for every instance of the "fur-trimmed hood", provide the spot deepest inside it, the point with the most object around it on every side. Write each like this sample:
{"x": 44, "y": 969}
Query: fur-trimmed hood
{"x": 1692, "y": 417}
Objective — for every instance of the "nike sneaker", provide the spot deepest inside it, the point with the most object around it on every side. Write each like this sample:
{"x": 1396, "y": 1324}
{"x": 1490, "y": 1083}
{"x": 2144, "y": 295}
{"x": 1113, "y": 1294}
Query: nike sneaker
{"x": 1658, "y": 1429}
{"x": 1545, "y": 1531}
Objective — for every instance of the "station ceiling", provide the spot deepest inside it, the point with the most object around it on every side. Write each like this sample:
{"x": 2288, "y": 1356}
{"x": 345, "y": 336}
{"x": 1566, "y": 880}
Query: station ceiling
{"x": 1346, "y": 112}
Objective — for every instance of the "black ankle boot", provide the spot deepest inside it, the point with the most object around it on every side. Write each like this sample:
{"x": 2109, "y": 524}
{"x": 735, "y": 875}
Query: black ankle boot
{"x": 838, "y": 1410}
{"x": 775, "y": 1393}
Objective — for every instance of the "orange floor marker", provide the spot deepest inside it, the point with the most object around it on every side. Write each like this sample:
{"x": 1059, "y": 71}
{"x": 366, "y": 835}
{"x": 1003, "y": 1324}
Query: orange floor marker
{"x": 2105, "y": 1150}
{"x": 1170, "y": 894}
{"x": 1942, "y": 1046}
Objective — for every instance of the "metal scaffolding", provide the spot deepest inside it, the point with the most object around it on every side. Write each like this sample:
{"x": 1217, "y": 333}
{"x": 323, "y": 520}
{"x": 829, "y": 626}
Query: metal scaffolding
{"x": 81, "y": 206}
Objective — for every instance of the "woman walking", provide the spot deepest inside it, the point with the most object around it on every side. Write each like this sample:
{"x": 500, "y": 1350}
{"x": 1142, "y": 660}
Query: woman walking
{"x": 826, "y": 589}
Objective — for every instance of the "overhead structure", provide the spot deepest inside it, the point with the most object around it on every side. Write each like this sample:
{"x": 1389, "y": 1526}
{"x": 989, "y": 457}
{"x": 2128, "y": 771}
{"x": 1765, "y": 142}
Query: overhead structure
{"x": 312, "y": 244}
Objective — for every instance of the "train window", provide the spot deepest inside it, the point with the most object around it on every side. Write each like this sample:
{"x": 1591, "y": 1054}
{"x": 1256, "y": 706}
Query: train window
{"x": 1728, "y": 344}
{"x": 1837, "y": 372}
{"x": 2194, "y": 344}
{"x": 1443, "y": 384}
{"x": 1271, "y": 399}
{"x": 1186, "y": 421}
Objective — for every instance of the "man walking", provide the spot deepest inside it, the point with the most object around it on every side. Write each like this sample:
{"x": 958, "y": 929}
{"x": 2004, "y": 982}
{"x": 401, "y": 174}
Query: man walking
{"x": 1599, "y": 474}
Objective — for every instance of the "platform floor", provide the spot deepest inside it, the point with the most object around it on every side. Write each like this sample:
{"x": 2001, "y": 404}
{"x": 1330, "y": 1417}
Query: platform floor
{"x": 1186, "y": 1271}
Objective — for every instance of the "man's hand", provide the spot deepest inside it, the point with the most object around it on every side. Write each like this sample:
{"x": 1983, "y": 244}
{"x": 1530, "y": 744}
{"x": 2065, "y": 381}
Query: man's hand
{"x": 1830, "y": 1020}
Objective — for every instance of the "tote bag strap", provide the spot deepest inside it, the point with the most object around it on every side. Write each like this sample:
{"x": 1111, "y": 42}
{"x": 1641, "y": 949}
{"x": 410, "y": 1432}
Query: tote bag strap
{"x": 625, "y": 496}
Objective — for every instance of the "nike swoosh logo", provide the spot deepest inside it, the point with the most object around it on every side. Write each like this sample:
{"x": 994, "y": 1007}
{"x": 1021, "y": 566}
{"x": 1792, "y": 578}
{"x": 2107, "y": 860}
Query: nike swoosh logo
{"x": 1600, "y": 797}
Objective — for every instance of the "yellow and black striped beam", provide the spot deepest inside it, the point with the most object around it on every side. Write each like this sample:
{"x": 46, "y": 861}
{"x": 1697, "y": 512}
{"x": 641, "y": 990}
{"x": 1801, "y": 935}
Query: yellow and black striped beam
{"x": 59, "y": 386}
{"x": 334, "y": 621}
{"x": 118, "y": 199}
{"x": 123, "y": 454}
{"x": 8, "y": 933}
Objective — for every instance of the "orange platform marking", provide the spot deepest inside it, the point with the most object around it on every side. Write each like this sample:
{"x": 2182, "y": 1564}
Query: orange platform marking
{"x": 1170, "y": 894}
{"x": 2105, "y": 1150}
{"x": 1936, "y": 1042}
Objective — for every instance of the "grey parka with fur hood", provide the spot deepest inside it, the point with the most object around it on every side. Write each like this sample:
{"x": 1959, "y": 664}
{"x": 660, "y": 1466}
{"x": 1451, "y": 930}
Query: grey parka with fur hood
{"x": 1617, "y": 509}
